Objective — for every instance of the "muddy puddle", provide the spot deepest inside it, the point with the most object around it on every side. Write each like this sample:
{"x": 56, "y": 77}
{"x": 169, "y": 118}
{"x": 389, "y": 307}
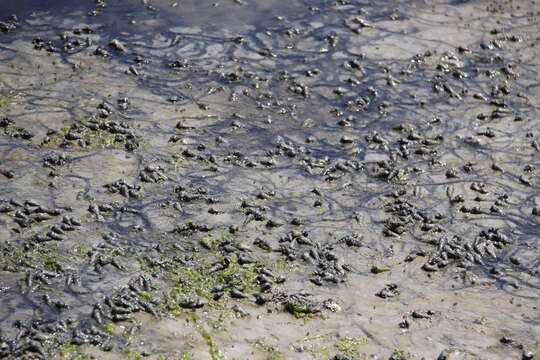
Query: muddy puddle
{"x": 246, "y": 179}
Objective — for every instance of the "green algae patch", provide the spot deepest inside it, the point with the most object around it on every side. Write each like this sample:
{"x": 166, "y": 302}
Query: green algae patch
{"x": 375, "y": 269}
{"x": 4, "y": 101}
{"x": 182, "y": 356}
{"x": 351, "y": 346}
{"x": 323, "y": 346}
{"x": 208, "y": 282}
{"x": 186, "y": 356}
{"x": 301, "y": 308}
{"x": 71, "y": 352}
{"x": 97, "y": 133}
{"x": 26, "y": 255}
{"x": 145, "y": 295}
{"x": 213, "y": 350}
{"x": 109, "y": 328}
{"x": 398, "y": 355}
{"x": 313, "y": 345}
{"x": 132, "y": 354}
{"x": 7, "y": 98}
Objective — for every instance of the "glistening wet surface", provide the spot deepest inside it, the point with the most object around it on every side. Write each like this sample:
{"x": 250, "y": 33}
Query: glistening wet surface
{"x": 269, "y": 179}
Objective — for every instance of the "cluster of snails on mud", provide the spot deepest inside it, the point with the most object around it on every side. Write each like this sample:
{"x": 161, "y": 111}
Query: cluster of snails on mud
{"x": 98, "y": 130}
{"x": 125, "y": 302}
{"x": 10, "y": 24}
{"x": 10, "y": 129}
{"x": 30, "y": 212}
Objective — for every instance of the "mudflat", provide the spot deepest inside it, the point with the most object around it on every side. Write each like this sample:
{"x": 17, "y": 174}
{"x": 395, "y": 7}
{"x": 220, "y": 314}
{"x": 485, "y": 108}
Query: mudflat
{"x": 249, "y": 179}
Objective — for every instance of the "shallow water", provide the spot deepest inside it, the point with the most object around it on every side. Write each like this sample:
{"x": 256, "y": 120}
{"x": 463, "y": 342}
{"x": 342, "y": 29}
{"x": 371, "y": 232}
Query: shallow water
{"x": 345, "y": 145}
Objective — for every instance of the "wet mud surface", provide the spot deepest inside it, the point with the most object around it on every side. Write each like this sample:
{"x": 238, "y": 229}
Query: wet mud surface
{"x": 269, "y": 179}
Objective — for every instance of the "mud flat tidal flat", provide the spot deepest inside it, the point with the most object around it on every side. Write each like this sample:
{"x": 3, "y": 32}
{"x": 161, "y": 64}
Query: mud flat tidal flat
{"x": 269, "y": 179}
